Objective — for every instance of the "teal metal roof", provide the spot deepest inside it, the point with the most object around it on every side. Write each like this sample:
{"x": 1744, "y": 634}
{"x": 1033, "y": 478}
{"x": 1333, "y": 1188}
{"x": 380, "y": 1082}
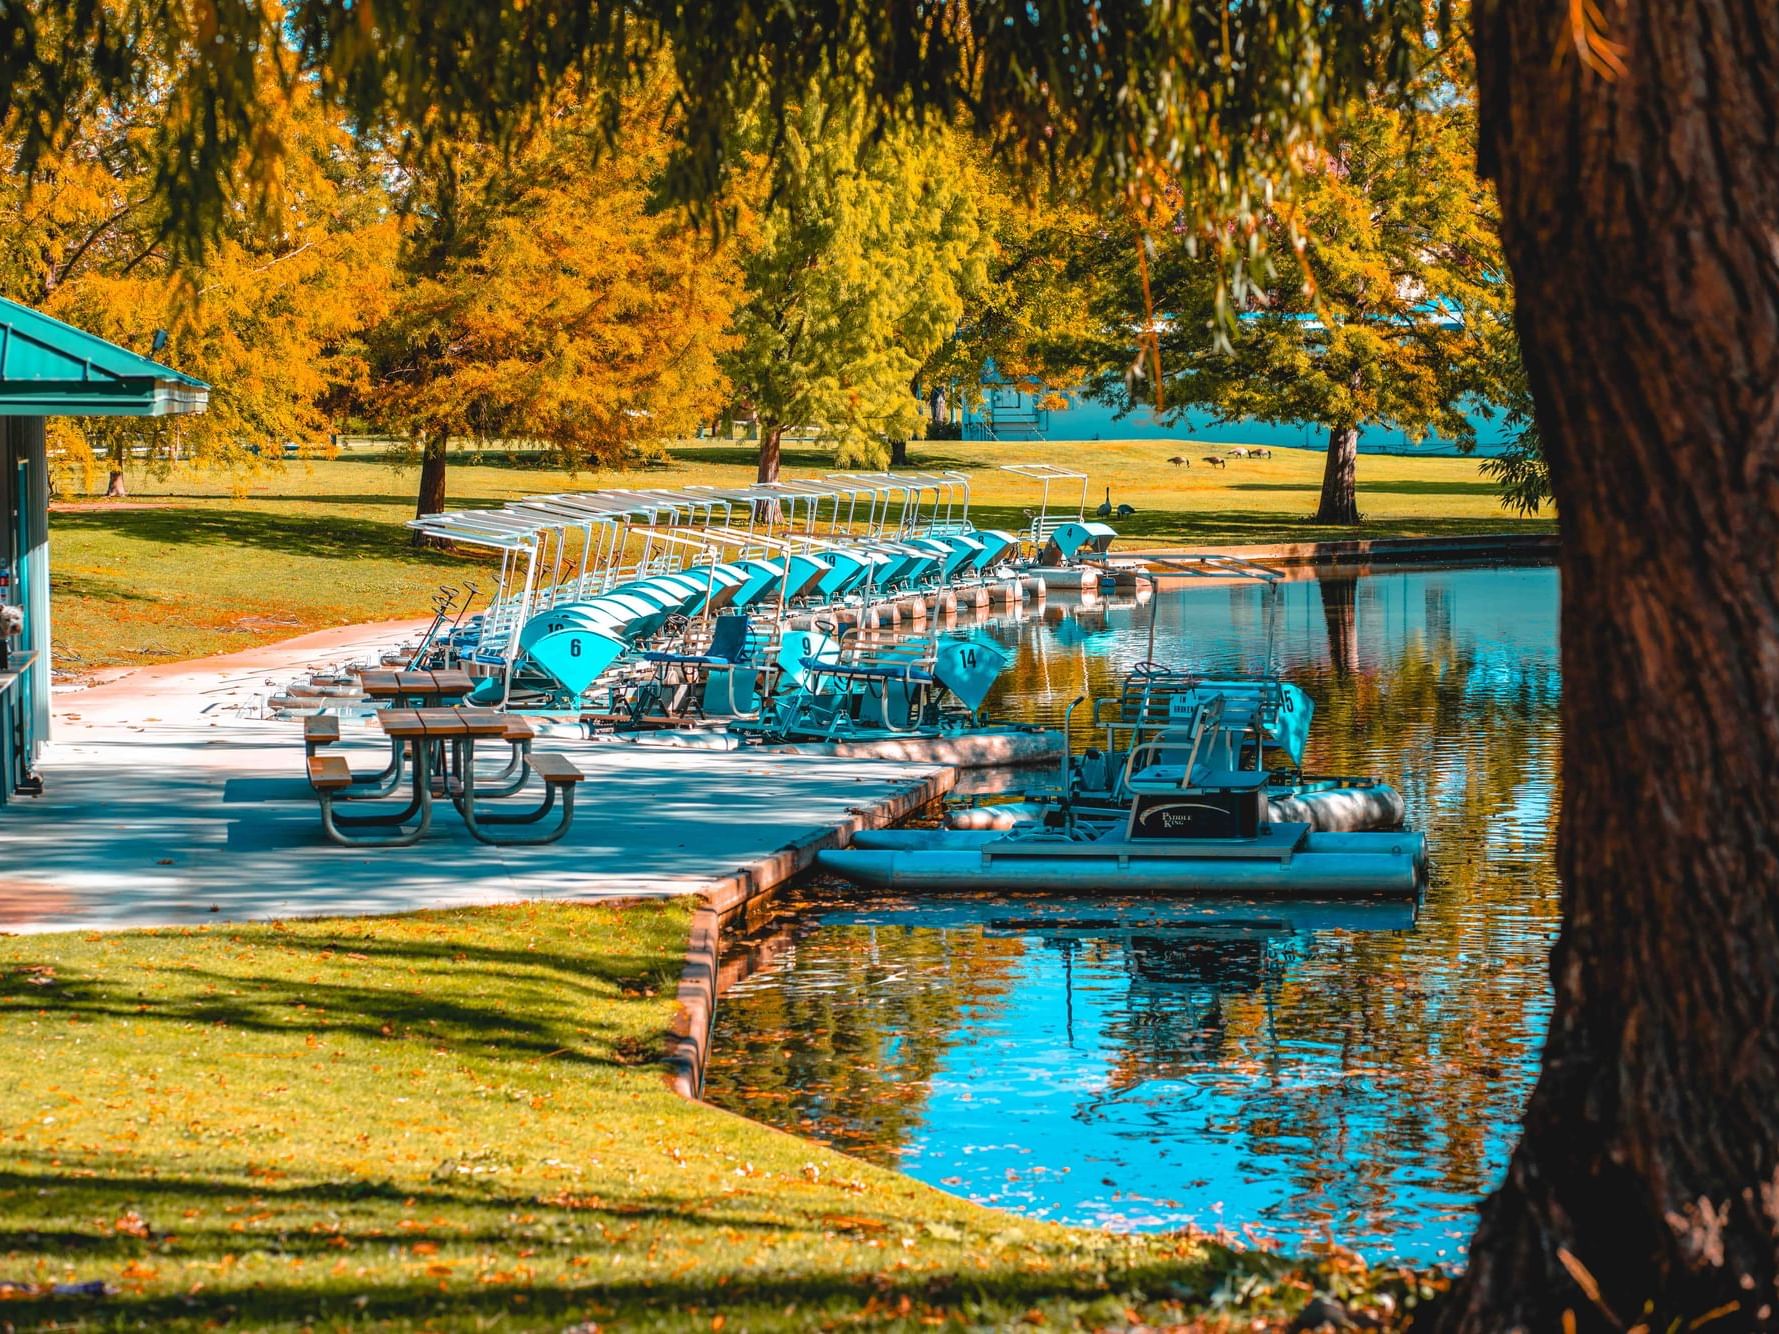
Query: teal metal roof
{"x": 51, "y": 369}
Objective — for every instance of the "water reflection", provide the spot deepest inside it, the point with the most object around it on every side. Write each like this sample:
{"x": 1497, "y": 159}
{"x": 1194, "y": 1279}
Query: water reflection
{"x": 1313, "y": 1072}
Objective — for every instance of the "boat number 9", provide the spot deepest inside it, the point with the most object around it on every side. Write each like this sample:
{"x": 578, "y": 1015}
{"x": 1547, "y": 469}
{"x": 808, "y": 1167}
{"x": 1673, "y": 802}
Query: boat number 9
{"x": 574, "y": 647}
{"x": 968, "y": 657}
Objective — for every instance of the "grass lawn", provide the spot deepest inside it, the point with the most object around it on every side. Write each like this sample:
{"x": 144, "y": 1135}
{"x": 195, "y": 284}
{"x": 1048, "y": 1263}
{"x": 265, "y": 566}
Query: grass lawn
{"x": 200, "y": 563}
{"x": 456, "y": 1121}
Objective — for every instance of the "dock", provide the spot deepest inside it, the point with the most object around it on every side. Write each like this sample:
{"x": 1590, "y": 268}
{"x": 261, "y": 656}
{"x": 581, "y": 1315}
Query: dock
{"x": 164, "y": 806}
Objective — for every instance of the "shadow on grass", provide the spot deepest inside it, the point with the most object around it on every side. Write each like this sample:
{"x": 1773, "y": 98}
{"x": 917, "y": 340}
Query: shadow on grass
{"x": 1392, "y": 487}
{"x": 317, "y": 535}
{"x": 746, "y": 454}
{"x": 689, "y": 1303}
{"x": 98, "y": 590}
{"x": 165, "y": 1196}
{"x": 814, "y": 1296}
{"x": 496, "y": 1004}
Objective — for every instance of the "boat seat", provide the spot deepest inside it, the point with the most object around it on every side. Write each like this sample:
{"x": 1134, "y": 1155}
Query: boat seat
{"x": 1172, "y": 778}
{"x": 728, "y": 647}
{"x": 882, "y": 672}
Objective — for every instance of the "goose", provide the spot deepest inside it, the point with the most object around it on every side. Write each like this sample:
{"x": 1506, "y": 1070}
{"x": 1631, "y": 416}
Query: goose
{"x": 1125, "y": 511}
{"x": 1179, "y": 460}
{"x": 1105, "y": 509}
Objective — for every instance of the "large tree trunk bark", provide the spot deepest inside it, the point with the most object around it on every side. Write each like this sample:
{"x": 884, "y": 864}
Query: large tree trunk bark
{"x": 898, "y": 453}
{"x": 432, "y": 480}
{"x": 114, "y": 484}
{"x": 1340, "y": 477}
{"x": 1640, "y": 208}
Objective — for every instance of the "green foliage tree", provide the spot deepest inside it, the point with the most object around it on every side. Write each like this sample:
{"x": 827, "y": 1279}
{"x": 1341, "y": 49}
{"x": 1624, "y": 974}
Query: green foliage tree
{"x": 1520, "y": 469}
{"x": 1026, "y": 324}
{"x": 1384, "y": 301}
{"x": 547, "y": 297}
{"x": 857, "y": 268}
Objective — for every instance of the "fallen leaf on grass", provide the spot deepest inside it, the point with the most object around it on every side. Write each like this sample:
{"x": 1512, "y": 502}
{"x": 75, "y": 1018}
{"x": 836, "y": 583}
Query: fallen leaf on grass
{"x": 853, "y": 1223}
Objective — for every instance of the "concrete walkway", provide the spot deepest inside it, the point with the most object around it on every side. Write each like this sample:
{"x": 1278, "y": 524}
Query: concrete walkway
{"x": 162, "y": 808}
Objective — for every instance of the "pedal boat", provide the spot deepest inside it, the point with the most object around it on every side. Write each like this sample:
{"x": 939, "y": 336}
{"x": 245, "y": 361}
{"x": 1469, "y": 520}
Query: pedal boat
{"x": 1188, "y": 831}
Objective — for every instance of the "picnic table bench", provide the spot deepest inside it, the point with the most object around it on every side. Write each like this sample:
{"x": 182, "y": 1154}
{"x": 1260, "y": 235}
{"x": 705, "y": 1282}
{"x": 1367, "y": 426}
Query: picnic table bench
{"x": 440, "y": 742}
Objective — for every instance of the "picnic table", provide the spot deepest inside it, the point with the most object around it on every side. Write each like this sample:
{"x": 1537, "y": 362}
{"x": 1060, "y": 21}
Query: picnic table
{"x": 429, "y": 743}
{"x": 426, "y": 690}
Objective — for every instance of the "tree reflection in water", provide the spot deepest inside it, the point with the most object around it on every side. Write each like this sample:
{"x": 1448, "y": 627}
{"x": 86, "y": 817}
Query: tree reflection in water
{"x": 1315, "y": 1078}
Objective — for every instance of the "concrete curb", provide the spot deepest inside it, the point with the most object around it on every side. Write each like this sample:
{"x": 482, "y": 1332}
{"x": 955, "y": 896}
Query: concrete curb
{"x": 738, "y": 895}
{"x": 1376, "y": 550}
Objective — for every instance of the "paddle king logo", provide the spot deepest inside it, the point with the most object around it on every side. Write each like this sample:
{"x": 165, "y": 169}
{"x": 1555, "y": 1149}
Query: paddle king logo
{"x": 1172, "y": 818}
{"x": 1203, "y": 815}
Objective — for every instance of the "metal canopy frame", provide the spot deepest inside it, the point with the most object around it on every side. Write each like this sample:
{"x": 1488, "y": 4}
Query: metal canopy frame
{"x": 563, "y": 547}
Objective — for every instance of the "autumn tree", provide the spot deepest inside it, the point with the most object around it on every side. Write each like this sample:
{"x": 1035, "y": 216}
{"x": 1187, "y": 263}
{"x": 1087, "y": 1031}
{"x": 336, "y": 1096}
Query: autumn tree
{"x": 856, "y": 269}
{"x": 273, "y": 314}
{"x": 550, "y": 299}
{"x": 1631, "y": 147}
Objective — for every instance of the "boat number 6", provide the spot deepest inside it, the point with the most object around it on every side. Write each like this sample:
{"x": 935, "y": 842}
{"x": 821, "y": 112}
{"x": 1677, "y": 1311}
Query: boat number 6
{"x": 574, "y": 647}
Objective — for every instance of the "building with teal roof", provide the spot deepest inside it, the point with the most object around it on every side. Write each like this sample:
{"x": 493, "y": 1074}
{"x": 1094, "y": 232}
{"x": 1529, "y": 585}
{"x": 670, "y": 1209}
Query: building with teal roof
{"x": 51, "y": 369}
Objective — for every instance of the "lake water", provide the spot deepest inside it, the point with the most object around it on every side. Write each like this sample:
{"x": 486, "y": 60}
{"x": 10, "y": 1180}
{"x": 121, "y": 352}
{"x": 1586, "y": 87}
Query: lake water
{"x": 1336, "y": 1073}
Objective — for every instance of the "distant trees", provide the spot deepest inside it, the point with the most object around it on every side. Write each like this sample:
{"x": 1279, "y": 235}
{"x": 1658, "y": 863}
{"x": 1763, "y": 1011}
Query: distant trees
{"x": 544, "y": 296}
{"x": 1383, "y": 298}
{"x": 857, "y": 260}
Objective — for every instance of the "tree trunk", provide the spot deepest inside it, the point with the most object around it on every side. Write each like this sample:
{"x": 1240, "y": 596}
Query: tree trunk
{"x": 432, "y": 480}
{"x": 771, "y": 448}
{"x": 1340, "y": 478}
{"x": 1639, "y": 209}
{"x": 898, "y": 453}
{"x": 114, "y": 485}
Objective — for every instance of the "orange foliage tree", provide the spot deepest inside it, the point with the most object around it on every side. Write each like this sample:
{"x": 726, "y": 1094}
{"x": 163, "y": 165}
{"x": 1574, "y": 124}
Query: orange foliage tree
{"x": 271, "y": 316}
{"x": 548, "y": 299}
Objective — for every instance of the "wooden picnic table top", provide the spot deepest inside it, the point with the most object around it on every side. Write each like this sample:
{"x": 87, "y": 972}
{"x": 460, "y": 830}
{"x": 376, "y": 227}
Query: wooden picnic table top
{"x": 412, "y": 724}
{"x": 400, "y": 685}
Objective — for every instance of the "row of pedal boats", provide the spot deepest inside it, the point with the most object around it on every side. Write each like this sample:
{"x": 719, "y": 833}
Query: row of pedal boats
{"x": 573, "y": 639}
{"x": 1197, "y": 789}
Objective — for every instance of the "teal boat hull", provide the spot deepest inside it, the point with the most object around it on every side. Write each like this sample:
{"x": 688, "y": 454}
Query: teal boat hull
{"x": 1331, "y": 867}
